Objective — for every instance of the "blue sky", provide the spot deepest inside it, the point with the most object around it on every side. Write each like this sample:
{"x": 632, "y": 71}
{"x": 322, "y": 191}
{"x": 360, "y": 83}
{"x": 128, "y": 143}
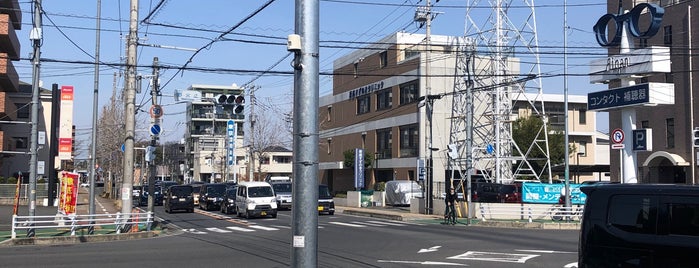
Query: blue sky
{"x": 259, "y": 43}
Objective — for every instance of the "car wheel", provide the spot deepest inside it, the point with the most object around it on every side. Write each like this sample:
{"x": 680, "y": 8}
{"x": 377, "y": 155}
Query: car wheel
{"x": 331, "y": 213}
{"x": 247, "y": 214}
{"x": 274, "y": 215}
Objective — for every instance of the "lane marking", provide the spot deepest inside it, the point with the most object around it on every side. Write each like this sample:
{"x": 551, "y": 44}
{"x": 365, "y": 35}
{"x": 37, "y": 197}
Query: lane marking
{"x": 545, "y": 251}
{"x": 425, "y": 262}
{"x": 263, "y": 228}
{"x": 432, "y": 249}
{"x": 241, "y": 229}
{"x": 217, "y": 230}
{"x": 494, "y": 256}
{"x": 369, "y": 223}
{"x": 387, "y": 223}
{"x": 347, "y": 224}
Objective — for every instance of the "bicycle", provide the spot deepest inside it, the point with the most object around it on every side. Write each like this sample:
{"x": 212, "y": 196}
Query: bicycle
{"x": 561, "y": 212}
{"x": 449, "y": 215}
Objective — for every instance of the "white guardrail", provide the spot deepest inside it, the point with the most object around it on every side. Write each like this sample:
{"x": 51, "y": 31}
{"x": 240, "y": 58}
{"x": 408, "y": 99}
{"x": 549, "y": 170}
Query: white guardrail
{"x": 119, "y": 220}
{"x": 529, "y": 212}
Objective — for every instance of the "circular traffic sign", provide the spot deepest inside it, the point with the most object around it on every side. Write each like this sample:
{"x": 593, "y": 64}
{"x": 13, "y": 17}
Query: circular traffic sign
{"x": 155, "y": 130}
{"x": 156, "y": 111}
{"x": 618, "y": 136}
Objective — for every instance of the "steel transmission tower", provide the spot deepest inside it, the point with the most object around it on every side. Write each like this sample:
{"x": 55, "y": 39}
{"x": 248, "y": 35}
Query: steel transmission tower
{"x": 492, "y": 87}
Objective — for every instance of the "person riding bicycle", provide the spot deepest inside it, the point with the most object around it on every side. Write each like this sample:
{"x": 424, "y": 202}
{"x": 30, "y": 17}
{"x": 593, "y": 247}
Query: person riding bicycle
{"x": 450, "y": 210}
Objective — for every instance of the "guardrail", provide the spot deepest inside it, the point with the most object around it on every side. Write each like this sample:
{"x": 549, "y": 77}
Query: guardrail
{"x": 530, "y": 212}
{"x": 120, "y": 221}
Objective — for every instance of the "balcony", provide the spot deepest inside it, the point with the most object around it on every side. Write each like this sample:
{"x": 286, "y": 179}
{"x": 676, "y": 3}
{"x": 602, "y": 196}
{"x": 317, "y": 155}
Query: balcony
{"x": 9, "y": 80}
{"x": 12, "y": 8}
{"x": 7, "y": 108}
{"x": 9, "y": 43}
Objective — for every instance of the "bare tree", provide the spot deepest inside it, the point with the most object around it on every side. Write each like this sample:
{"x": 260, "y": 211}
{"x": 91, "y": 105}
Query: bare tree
{"x": 267, "y": 134}
{"x": 111, "y": 133}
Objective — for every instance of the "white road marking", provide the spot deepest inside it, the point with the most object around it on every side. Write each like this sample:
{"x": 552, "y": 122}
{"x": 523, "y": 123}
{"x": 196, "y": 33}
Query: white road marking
{"x": 281, "y": 226}
{"x": 494, "y": 256}
{"x": 387, "y": 223}
{"x": 432, "y": 249}
{"x": 217, "y": 230}
{"x": 425, "y": 262}
{"x": 263, "y": 228}
{"x": 571, "y": 265}
{"x": 193, "y": 231}
{"x": 545, "y": 251}
{"x": 241, "y": 229}
{"x": 368, "y": 223}
{"x": 347, "y": 224}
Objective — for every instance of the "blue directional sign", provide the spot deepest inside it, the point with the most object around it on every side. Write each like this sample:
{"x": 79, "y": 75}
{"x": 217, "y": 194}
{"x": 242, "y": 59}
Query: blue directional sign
{"x": 232, "y": 132}
{"x": 155, "y": 130}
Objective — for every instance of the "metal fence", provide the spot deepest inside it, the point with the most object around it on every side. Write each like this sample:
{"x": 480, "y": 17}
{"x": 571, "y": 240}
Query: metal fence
{"x": 529, "y": 212}
{"x": 120, "y": 221}
{"x": 8, "y": 190}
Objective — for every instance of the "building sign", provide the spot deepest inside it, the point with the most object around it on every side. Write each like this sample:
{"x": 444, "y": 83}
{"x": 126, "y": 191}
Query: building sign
{"x": 365, "y": 90}
{"x": 640, "y": 61}
{"x": 643, "y": 94}
{"x": 65, "y": 131}
{"x": 358, "y": 168}
{"x": 545, "y": 193}
{"x": 632, "y": 19}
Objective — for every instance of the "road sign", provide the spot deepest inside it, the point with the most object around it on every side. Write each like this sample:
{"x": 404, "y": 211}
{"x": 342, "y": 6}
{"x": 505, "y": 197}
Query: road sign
{"x": 618, "y": 146}
{"x": 156, "y": 111}
{"x": 618, "y": 136}
{"x": 155, "y": 130}
{"x": 232, "y": 134}
{"x": 642, "y": 139}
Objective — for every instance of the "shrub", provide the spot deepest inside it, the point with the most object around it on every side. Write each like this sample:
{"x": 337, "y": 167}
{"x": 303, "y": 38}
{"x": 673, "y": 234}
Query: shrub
{"x": 12, "y": 180}
{"x": 380, "y": 186}
{"x": 3, "y": 180}
{"x": 42, "y": 180}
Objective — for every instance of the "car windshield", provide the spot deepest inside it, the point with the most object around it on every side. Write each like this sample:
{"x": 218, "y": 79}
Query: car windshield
{"x": 181, "y": 191}
{"x": 216, "y": 190}
{"x": 282, "y": 187}
{"x": 195, "y": 189}
{"x": 261, "y": 191}
{"x": 231, "y": 191}
{"x": 324, "y": 192}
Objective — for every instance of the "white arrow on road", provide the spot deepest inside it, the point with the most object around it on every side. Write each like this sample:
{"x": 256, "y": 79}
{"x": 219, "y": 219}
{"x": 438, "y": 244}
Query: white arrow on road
{"x": 432, "y": 249}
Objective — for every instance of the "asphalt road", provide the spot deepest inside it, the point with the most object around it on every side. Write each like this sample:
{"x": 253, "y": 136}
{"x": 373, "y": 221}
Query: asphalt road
{"x": 209, "y": 238}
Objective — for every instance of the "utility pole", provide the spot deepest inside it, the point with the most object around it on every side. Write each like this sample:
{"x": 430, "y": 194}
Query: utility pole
{"x": 129, "y": 110}
{"x": 251, "y": 164}
{"x": 424, "y": 15}
{"x": 304, "y": 227}
{"x": 155, "y": 91}
{"x": 95, "y": 107}
{"x": 35, "y": 37}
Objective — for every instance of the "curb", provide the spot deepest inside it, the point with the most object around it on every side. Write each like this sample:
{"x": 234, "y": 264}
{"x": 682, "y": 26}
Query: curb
{"x": 77, "y": 239}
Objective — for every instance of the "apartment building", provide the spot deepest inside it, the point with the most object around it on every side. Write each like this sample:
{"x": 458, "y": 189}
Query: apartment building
{"x": 215, "y": 124}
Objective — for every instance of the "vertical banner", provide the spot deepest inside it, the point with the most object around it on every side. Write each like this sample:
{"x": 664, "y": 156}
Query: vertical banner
{"x": 68, "y": 199}
{"x": 232, "y": 132}
{"x": 65, "y": 131}
{"x": 358, "y": 168}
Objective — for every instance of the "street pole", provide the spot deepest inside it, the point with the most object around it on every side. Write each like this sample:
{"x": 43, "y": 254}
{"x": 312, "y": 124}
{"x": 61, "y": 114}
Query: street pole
{"x": 251, "y": 163}
{"x": 305, "y": 134}
{"x": 35, "y": 37}
{"x": 429, "y": 185}
{"x": 129, "y": 111}
{"x": 95, "y": 107}
{"x": 155, "y": 90}
{"x": 566, "y": 173}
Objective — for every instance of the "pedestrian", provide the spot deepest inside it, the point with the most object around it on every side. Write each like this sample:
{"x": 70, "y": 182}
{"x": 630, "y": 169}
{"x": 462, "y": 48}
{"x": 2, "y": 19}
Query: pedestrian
{"x": 450, "y": 211}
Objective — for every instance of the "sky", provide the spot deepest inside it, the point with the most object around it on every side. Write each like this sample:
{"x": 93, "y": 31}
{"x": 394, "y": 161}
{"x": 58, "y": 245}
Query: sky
{"x": 258, "y": 43}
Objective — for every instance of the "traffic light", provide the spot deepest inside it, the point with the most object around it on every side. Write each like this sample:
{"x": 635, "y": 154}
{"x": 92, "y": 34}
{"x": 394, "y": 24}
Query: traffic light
{"x": 237, "y": 100}
{"x": 695, "y": 137}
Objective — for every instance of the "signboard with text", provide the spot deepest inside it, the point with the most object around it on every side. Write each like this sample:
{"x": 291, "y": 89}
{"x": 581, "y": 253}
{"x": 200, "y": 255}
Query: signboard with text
{"x": 643, "y": 94}
{"x": 68, "y": 198}
{"x": 65, "y": 130}
{"x": 358, "y": 168}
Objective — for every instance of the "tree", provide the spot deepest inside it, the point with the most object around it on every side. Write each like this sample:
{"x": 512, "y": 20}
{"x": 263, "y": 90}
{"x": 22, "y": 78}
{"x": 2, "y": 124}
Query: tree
{"x": 526, "y": 129}
{"x": 111, "y": 134}
{"x": 266, "y": 136}
{"x": 349, "y": 159}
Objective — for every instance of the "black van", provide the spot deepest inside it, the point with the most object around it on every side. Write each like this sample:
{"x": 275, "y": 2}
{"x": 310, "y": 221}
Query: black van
{"x": 640, "y": 225}
{"x": 179, "y": 197}
{"x": 211, "y": 195}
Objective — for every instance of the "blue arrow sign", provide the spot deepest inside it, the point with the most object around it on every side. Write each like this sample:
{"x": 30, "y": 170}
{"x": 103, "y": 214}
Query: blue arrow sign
{"x": 155, "y": 130}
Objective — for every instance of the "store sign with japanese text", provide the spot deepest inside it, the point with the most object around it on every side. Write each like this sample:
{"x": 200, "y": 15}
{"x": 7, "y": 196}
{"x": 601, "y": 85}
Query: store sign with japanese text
{"x": 68, "y": 198}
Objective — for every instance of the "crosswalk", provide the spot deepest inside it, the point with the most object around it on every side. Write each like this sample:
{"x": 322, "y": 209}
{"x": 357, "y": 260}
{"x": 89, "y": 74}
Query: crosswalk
{"x": 247, "y": 227}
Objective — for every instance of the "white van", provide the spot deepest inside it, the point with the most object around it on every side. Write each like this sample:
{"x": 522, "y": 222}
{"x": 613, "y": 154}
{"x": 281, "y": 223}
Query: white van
{"x": 255, "y": 199}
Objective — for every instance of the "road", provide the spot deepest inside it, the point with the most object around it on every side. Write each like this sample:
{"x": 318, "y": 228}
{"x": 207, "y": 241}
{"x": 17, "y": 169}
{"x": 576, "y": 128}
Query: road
{"x": 210, "y": 238}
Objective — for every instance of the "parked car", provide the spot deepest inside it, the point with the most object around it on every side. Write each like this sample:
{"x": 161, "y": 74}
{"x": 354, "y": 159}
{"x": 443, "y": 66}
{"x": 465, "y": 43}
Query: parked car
{"x": 326, "y": 204}
{"x": 158, "y": 196}
{"x": 211, "y": 196}
{"x": 255, "y": 199}
{"x": 165, "y": 185}
{"x": 510, "y": 193}
{"x": 179, "y": 197}
{"x": 399, "y": 192}
{"x": 282, "y": 190}
{"x": 639, "y": 225}
{"x": 485, "y": 192}
{"x": 228, "y": 203}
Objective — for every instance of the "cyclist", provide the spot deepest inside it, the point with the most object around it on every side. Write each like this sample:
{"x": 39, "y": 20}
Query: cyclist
{"x": 450, "y": 211}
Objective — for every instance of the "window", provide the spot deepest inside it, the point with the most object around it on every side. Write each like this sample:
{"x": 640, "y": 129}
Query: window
{"x": 282, "y": 159}
{"x": 633, "y": 213}
{"x": 645, "y": 124}
{"x": 408, "y": 92}
{"x": 667, "y": 35}
{"x": 23, "y": 110}
{"x": 684, "y": 217}
{"x": 363, "y": 104}
{"x": 409, "y": 53}
{"x": 384, "y": 99}
{"x": 383, "y": 59}
{"x": 582, "y": 118}
{"x": 642, "y": 43}
{"x": 356, "y": 69}
{"x": 330, "y": 142}
{"x": 21, "y": 142}
{"x": 330, "y": 113}
{"x": 409, "y": 141}
{"x": 384, "y": 143}
{"x": 670, "y": 132}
